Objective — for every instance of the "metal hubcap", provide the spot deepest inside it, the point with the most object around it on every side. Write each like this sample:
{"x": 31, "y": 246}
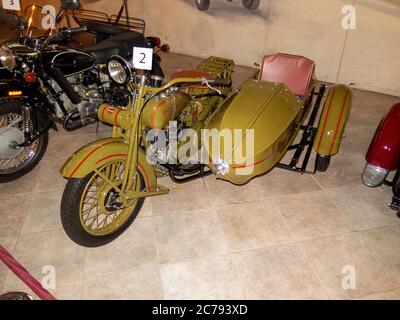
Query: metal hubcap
{"x": 10, "y": 139}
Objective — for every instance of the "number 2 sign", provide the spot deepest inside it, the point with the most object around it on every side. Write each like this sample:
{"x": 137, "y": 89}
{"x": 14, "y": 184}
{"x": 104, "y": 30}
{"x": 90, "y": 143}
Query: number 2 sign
{"x": 11, "y": 5}
{"x": 143, "y": 58}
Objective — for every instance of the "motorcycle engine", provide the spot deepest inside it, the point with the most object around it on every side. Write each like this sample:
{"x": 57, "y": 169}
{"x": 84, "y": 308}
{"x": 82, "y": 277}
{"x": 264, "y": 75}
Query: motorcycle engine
{"x": 85, "y": 85}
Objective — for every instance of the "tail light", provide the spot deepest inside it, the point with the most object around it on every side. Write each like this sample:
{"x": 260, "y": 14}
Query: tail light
{"x": 374, "y": 176}
{"x": 30, "y": 77}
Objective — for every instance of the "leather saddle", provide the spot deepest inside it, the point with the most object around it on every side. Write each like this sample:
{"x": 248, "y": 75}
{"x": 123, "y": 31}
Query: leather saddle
{"x": 119, "y": 41}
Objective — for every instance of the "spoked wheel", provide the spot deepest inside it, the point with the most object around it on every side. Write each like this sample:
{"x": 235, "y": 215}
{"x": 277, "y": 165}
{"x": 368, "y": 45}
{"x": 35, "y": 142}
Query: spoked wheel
{"x": 92, "y": 211}
{"x": 16, "y": 161}
{"x": 251, "y": 4}
{"x": 203, "y": 5}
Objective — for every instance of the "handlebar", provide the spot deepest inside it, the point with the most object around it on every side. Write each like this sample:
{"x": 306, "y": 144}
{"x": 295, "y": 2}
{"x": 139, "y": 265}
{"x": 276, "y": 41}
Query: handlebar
{"x": 76, "y": 30}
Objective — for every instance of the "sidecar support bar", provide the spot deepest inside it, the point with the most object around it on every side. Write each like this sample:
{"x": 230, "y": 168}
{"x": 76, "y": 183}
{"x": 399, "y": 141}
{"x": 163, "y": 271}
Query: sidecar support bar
{"x": 307, "y": 140}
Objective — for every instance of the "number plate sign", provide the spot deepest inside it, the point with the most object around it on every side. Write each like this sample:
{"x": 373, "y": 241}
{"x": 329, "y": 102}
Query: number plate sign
{"x": 143, "y": 58}
{"x": 12, "y": 5}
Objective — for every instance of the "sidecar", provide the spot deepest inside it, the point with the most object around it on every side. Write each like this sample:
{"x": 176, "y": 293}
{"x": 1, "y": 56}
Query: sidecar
{"x": 273, "y": 116}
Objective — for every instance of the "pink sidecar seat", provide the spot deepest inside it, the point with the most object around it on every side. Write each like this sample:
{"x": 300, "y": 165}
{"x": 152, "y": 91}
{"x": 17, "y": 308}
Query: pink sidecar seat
{"x": 294, "y": 71}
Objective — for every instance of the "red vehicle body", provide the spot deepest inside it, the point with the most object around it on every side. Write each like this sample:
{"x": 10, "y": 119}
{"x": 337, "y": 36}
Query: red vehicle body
{"x": 384, "y": 151}
{"x": 383, "y": 155}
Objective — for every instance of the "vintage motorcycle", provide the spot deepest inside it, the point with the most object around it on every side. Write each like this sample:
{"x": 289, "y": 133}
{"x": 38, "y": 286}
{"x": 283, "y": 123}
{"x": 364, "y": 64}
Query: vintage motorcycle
{"x": 52, "y": 82}
{"x": 203, "y": 5}
{"x": 383, "y": 156}
{"x": 110, "y": 178}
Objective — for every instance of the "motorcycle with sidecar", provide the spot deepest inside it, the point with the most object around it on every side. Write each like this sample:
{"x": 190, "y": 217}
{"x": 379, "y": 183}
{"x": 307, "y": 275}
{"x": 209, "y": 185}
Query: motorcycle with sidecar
{"x": 48, "y": 81}
{"x": 195, "y": 125}
{"x": 383, "y": 156}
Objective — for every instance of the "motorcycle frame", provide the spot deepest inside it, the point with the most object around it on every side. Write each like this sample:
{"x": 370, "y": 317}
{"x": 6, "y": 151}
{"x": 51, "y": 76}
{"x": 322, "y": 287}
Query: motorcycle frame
{"x": 308, "y": 138}
{"x": 134, "y": 136}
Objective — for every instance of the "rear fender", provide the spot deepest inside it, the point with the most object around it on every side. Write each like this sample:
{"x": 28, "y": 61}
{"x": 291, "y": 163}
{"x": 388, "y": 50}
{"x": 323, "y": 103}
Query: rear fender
{"x": 384, "y": 151}
{"x": 335, "y": 114}
{"x": 96, "y": 154}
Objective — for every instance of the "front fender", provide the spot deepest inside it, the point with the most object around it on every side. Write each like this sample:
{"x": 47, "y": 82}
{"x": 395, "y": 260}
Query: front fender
{"x": 384, "y": 151}
{"x": 96, "y": 154}
{"x": 335, "y": 114}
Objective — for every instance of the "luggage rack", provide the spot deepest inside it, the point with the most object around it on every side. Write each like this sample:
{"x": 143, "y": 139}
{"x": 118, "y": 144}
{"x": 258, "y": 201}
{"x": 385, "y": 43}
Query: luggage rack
{"x": 133, "y": 24}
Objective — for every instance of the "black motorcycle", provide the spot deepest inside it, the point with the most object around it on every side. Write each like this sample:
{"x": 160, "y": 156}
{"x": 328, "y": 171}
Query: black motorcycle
{"x": 48, "y": 81}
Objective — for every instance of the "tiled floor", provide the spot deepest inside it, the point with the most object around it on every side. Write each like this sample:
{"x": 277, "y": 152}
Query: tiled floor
{"x": 282, "y": 236}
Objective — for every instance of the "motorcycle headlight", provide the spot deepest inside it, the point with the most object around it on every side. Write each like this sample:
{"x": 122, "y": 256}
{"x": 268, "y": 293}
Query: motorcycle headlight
{"x": 119, "y": 70}
{"x": 374, "y": 176}
{"x": 7, "y": 58}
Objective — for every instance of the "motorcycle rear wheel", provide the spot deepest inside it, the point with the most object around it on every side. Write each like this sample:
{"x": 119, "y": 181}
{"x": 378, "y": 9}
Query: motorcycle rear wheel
{"x": 251, "y": 4}
{"x": 28, "y": 157}
{"x": 202, "y": 5}
{"x": 82, "y": 196}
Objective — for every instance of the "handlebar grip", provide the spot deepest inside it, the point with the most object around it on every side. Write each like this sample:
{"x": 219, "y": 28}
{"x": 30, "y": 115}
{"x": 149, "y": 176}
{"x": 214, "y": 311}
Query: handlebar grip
{"x": 220, "y": 82}
{"x": 77, "y": 30}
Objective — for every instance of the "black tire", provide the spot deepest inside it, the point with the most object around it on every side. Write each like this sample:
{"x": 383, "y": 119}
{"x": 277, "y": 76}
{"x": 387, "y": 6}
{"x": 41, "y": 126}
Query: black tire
{"x": 70, "y": 215}
{"x": 202, "y": 5}
{"x": 323, "y": 163}
{"x": 16, "y": 107}
{"x": 251, "y": 4}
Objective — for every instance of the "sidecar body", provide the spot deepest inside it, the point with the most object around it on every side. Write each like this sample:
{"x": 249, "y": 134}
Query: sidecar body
{"x": 260, "y": 123}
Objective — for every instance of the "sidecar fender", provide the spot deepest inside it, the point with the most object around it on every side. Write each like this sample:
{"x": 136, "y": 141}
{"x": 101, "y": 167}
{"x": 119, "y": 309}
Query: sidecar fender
{"x": 96, "y": 154}
{"x": 335, "y": 114}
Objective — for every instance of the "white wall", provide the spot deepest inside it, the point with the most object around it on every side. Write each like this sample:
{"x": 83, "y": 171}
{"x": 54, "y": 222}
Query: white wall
{"x": 368, "y": 57}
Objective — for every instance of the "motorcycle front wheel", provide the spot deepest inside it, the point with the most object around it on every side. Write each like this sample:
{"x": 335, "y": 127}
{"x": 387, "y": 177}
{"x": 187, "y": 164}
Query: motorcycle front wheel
{"x": 16, "y": 161}
{"x": 202, "y": 5}
{"x": 92, "y": 213}
{"x": 251, "y": 4}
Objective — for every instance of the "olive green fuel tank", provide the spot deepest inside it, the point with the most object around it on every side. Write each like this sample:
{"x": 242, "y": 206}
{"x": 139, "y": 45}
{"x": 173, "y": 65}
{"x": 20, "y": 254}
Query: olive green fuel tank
{"x": 159, "y": 112}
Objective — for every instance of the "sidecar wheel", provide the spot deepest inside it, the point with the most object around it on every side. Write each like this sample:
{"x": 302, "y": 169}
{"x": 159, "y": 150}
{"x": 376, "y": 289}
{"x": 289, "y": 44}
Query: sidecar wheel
{"x": 202, "y": 5}
{"x": 251, "y": 4}
{"x": 25, "y": 159}
{"x": 323, "y": 163}
{"x": 73, "y": 213}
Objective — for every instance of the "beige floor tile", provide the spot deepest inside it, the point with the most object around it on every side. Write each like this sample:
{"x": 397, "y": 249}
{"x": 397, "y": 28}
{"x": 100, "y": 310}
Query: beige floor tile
{"x": 140, "y": 284}
{"x": 341, "y": 172}
{"x": 63, "y": 291}
{"x": 202, "y": 279}
{"x": 252, "y": 225}
{"x": 280, "y": 182}
{"x": 49, "y": 175}
{"x": 335, "y": 258}
{"x": 384, "y": 241}
{"x": 43, "y": 213}
{"x": 357, "y": 139}
{"x": 311, "y": 215}
{"x": 189, "y": 235}
{"x": 13, "y": 212}
{"x": 136, "y": 247}
{"x": 279, "y": 272}
{"x": 222, "y": 192}
{"x": 9, "y": 245}
{"x": 364, "y": 206}
{"x": 54, "y": 248}
{"x": 24, "y": 185}
{"x": 387, "y": 295}
{"x": 181, "y": 198}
